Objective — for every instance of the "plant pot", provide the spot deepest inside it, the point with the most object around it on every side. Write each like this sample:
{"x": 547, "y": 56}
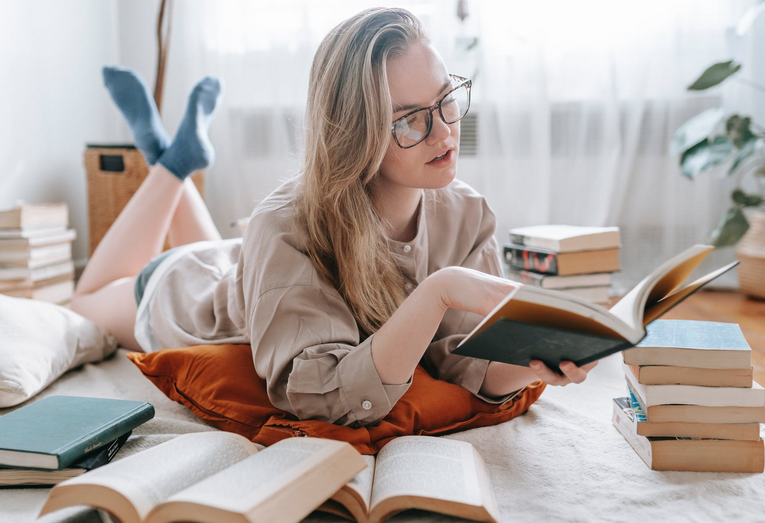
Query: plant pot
{"x": 751, "y": 253}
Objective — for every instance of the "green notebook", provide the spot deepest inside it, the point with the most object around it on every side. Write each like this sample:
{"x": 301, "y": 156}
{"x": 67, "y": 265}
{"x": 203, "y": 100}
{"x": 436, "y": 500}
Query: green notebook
{"x": 57, "y": 431}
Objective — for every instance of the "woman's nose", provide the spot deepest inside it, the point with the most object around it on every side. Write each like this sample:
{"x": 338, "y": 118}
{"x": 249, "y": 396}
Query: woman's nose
{"x": 440, "y": 130}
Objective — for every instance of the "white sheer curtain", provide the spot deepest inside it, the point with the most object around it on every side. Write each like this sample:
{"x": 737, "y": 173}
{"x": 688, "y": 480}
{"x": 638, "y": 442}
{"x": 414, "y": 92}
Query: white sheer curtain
{"x": 574, "y": 105}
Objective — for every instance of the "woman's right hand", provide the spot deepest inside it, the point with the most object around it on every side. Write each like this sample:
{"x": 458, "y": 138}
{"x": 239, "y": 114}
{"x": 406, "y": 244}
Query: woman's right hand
{"x": 470, "y": 290}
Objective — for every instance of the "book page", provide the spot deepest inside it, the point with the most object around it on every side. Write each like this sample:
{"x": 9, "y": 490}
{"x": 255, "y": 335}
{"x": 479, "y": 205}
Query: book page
{"x": 362, "y": 483}
{"x": 286, "y": 480}
{"x": 659, "y": 284}
{"x": 232, "y": 487}
{"x": 152, "y": 476}
{"x": 429, "y": 467}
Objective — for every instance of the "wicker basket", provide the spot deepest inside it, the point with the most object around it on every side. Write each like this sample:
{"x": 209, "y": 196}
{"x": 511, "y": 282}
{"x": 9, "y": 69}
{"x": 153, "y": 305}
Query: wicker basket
{"x": 114, "y": 174}
{"x": 751, "y": 254}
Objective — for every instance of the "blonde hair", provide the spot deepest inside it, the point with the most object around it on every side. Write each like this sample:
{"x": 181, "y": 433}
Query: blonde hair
{"x": 348, "y": 119}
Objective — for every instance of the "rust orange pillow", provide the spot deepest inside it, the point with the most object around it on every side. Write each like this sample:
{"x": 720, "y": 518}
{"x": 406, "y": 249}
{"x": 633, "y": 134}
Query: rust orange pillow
{"x": 218, "y": 383}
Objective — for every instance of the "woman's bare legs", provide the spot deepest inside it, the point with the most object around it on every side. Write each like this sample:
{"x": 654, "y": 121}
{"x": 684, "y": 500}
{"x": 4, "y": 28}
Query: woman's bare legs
{"x": 192, "y": 221}
{"x": 105, "y": 291}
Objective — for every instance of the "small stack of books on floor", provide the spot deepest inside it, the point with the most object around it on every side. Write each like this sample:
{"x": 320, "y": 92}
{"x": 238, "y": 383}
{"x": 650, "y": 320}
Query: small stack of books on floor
{"x": 569, "y": 258}
{"x": 36, "y": 253}
{"x": 692, "y": 403}
{"x": 62, "y": 437}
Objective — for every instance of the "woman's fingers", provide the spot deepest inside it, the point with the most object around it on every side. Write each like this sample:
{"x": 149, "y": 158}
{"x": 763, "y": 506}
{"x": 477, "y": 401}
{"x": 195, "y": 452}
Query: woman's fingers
{"x": 548, "y": 376}
{"x": 571, "y": 373}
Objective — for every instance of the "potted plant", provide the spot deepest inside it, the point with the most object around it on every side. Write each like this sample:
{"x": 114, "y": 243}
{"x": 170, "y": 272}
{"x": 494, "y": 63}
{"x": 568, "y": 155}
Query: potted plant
{"x": 735, "y": 144}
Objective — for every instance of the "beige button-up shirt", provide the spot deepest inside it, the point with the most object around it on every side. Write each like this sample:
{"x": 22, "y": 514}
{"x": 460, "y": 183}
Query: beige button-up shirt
{"x": 263, "y": 290}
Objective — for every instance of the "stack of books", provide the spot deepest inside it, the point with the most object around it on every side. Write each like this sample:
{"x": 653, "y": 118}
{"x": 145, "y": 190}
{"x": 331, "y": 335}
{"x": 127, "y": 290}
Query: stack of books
{"x": 36, "y": 253}
{"x": 569, "y": 258}
{"x": 62, "y": 437}
{"x": 692, "y": 403}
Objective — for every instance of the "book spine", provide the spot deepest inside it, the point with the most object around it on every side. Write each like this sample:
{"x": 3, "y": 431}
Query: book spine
{"x": 104, "y": 435}
{"x": 520, "y": 258}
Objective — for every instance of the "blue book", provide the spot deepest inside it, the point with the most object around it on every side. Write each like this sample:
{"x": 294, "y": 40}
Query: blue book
{"x": 57, "y": 431}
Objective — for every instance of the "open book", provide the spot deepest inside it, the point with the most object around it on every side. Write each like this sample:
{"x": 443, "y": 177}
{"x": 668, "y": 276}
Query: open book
{"x": 221, "y": 477}
{"x": 552, "y": 326}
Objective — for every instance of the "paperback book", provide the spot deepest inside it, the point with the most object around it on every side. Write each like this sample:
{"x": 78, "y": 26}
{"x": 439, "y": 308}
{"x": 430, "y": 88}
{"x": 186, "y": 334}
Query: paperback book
{"x": 566, "y": 238}
{"x": 219, "y": 477}
{"x": 686, "y": 454}
{"x": 701, "y": 344}
{"x": 544, "y": 261}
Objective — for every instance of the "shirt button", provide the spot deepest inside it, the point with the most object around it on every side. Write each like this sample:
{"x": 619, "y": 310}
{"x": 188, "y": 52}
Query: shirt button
{"x": 366, "y": 404}
{"x": 407, "y": 248}
{"x": 408, "y": 286}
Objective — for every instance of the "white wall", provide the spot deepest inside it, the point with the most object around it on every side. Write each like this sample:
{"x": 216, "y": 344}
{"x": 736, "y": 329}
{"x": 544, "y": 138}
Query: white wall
{"x": 53, "y": 101}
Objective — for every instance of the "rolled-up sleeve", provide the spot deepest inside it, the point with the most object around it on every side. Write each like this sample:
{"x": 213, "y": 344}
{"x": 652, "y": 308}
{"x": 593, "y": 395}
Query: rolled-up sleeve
{"x": 306, "y": 346}
{"x": 483, "y": 256}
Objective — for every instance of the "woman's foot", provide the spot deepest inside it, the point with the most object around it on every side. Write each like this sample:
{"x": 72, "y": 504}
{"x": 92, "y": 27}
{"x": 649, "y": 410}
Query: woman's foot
{"x": 130, "y": 93}
{"x": 191, "y": 149}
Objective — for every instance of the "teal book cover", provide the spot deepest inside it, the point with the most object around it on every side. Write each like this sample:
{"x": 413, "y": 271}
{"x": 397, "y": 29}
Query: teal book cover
{"x": 692, "y": 334}
{"x": 57, "y": 431}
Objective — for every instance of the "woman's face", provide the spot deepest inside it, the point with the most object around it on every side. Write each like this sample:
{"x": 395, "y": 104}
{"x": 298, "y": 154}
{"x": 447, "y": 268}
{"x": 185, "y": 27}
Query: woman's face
{"x": 416, "y": 79}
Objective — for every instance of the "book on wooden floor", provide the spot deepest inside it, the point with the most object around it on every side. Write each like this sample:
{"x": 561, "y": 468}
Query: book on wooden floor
{"x": 650, "y": 395}
{"x": 685, "y": 454}
{"x": 219, "y": 477}
{"x": 545, "y": 261}
{"x": 37, "y": 256}
{"x": 11, "y": 272}
{"x": 552, "y": 326}
{"x": 672, "y": 375}
{"x": 57, "y": 431}
{"x": 687, "y": 343}
{"x": 684, "y": 429}
{"x": 548, "y": 281}
{"x": 58, "y": 292}
{"x": 36, "y": 477}
{"x": 36, "y": 239}
{"x": 566, "y": 238}
{"x": 28, "y": 216}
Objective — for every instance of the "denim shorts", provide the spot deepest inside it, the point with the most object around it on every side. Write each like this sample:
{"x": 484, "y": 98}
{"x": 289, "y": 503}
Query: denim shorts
{"x": 145, "y": 274}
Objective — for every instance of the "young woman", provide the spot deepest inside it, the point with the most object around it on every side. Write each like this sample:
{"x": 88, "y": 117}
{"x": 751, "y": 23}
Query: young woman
{"x": 372, "y": 260}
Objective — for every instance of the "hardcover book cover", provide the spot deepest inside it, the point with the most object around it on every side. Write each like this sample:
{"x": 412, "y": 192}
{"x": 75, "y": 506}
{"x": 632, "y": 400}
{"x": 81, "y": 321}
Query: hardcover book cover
{"x": 57, "y": 431}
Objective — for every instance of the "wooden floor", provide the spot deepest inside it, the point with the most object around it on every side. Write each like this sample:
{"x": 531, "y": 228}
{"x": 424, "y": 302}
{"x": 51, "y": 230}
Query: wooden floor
{"x": 729, "y": 307}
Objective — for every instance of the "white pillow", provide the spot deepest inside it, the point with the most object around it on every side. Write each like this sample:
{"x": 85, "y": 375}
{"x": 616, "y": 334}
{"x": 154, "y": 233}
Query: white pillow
{"x": 39, "y": 342}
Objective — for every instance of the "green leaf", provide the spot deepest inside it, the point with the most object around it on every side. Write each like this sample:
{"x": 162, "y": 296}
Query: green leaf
{"x": 696, "y": 130}
{"x": 739, "y": 130}
{"x": 731, "y": 227}
{"x": 705, "y": 155}
{"x": 745, "y": 152}
{"x": 714, "y": 75}
{"x": 746, "y": 200}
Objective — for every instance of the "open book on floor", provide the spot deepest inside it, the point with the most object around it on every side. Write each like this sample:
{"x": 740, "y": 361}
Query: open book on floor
{"x": 534, "y": 323}
{"x": 221, "y": 477}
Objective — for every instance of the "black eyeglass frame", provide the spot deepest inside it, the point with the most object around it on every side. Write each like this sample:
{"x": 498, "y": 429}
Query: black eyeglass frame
{"x": 464, "y": 82}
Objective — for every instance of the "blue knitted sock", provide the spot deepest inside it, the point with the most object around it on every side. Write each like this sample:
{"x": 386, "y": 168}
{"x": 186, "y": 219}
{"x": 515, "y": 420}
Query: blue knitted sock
{"x": 191, "y": 148}
{"x": 130, "y": 93}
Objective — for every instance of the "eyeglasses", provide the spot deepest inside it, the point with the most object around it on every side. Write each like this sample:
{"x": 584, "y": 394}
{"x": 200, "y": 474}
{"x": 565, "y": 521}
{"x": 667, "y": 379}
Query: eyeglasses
{"x": 415, "y": 126}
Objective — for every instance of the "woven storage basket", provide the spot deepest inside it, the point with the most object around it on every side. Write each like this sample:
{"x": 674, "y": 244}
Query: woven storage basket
{"x": 114, "y": 174}
{"x": 751, "y": 253}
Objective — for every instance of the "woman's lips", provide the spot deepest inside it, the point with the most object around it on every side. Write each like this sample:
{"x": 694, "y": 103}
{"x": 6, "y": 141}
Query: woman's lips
{"x": 443, "y": 162}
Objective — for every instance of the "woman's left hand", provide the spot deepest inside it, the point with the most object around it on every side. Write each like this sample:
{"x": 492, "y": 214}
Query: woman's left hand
{"x": 571, "y": 373}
